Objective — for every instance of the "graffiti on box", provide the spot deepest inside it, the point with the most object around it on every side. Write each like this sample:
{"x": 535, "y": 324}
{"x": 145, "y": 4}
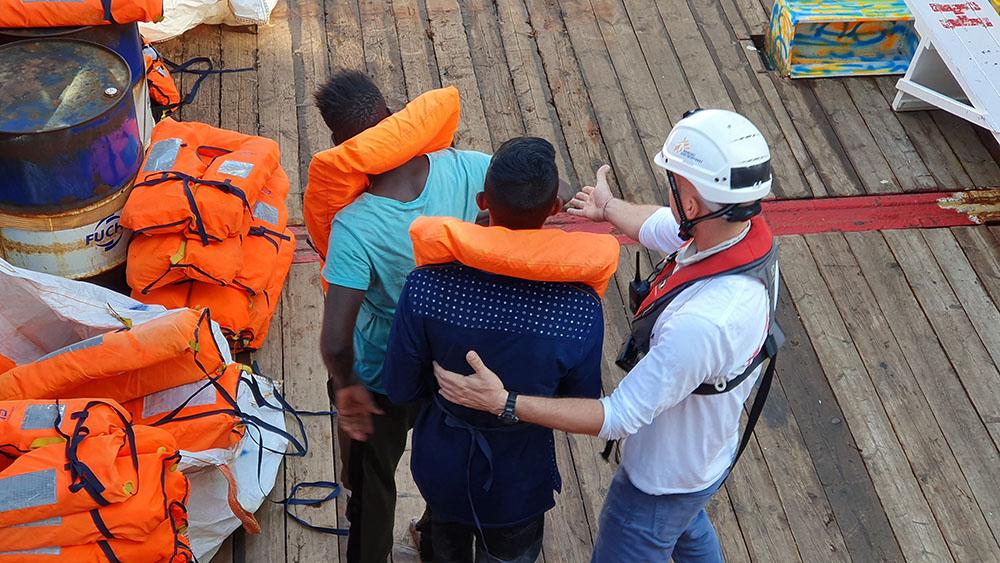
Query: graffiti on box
{"x": 812, "y": 38}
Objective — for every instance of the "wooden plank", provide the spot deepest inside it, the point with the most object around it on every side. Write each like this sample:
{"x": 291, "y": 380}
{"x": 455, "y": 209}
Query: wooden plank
{"x": 834, "y": 167}
{"x": 496, "y": 86}
{"x": 762, "y": 518}
{"x": 720, "y": 512}
{"x": 661, "y": 58}
{"x": 310, "y": 63}
{"x": 305, "y": 388}
{"x": 981, "y": 166}
{"x": 742, "y": 85}
{"x": 944, "y": 486}
{"x": 861, "y": 148}
{"x": 982, "y": 249}
{"x": 344, "y": 43}
{"x": 784, "y": 121}
{"x": 568, "y": 536}
{"x": 700, "y": 70}
{"x": 269, "y": 545}
{"x": 570, "y": 97}
{"x": 964, "y": 430}
{"x": 415, "y": 47}
{"x": 239, "y": 89}
{"x": 381, "y": 49}
{"x": 835, "y": 456}
{"x": 632, "y": 73}
{"x": 455, "y": 67}
{"x": 204, "y": 41}
{"x": 956, "y": 332}
{"x": 276, "y": 101}
{"x": 892, "y": 476}
{"x": 809, "y": 514}
{"x": 747, "y": 17}
{"x": 889, "y": 135}
{"x": 928, "y": 141}
{"x": 632, "y": 166}
{"x": 529, "y": 81}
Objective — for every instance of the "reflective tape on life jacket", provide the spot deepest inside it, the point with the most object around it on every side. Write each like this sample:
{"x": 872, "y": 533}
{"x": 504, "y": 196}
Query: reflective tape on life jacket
{"x": 28, "y": 425}
{"x": 87, "y": 472}
{"x": 265, "y": 238}
{"x": 548, "y": 255}
{"x": 337, "y": 176}
{"x": 60, "y": 13}
{"x": 199, "y": 179}
{"x": 198, "y": 415}
{"x": 164, "y": 259}
{"x": 133, "y": 519}
{"x": 168, "y": 351}
{"x": 167, "y": 543}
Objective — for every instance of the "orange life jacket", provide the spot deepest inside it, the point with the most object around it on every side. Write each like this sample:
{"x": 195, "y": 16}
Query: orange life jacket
{"x": 174, "y": 296}
{"x": 163, "y": 91}
{"x": 550, "y": 255}
{"x": 6, "y": 363}
{"x": 200, "y": 180}
{"x": 28, "y": 425}
{"x": 337, "y": 176}
{"x": 168, "y": 351}
{"x": 167, "y": 543}
{"x": 263, "y": 304}
{"x": 164, "y": 259}
{"x": 86, "y": 473}
{"x": 263, "y": 243}
{"x": 198, "y": 415}
{"x": 134, "y": 519}
{"x": 245, "y": 318}
{"x": 32, "y": 13}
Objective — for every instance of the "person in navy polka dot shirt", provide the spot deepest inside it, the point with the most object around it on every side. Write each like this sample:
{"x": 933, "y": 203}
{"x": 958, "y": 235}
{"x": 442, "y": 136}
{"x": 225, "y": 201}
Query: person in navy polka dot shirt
{"x": 489, "y": 481}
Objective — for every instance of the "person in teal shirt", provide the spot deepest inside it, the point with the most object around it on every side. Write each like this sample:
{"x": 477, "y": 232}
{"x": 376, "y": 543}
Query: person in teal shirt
{"x": 369, "y": 257}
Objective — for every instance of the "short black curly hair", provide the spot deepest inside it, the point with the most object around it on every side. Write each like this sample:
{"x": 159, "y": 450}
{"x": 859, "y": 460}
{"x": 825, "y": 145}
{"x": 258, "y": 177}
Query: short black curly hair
{"x": 350, "y": 103}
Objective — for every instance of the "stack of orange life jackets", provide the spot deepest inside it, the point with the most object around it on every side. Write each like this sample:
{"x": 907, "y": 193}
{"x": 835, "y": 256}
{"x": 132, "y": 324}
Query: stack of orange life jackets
{"x": 80, "y": 482}
{"x": 209, "y": 217}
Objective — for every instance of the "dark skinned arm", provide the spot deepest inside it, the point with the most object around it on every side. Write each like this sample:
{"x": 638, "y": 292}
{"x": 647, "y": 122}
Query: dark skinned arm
{"x": 354, "y": 402}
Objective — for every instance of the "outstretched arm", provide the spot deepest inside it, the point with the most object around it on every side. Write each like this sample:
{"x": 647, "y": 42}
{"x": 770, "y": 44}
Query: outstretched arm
{"x": 597, "y": 203}
{"x": 484, "y": 391}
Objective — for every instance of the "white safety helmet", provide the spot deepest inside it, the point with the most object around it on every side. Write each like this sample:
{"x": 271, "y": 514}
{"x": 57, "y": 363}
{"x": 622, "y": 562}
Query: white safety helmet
{"x": 721, "y": 153}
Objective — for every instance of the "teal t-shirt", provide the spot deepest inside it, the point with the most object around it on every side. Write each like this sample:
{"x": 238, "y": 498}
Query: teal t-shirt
{"x": 370, "y": 248}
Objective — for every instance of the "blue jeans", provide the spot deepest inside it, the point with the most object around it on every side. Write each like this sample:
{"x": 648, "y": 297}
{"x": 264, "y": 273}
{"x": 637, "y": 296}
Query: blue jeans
{"x": 636, "y": 527}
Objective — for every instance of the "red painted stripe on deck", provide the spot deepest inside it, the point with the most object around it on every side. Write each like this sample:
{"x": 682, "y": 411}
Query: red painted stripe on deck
{"x": 826, "y": 215}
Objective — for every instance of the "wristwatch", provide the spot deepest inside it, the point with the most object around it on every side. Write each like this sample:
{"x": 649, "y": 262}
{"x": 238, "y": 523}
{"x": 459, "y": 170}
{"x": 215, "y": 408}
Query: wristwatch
{"x": 507, "y": 416}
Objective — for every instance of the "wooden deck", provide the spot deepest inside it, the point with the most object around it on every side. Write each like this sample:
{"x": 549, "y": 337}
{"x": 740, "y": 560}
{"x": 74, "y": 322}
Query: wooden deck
{"x": 880, "y": 439}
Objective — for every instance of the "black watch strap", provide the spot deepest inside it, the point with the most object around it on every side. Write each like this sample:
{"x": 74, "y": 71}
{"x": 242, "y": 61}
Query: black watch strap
{"x": 508, "y": 415}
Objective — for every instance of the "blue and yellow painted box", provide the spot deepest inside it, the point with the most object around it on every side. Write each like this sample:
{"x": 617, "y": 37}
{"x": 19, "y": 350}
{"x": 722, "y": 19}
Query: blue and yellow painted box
{"x": 821, "y": 38}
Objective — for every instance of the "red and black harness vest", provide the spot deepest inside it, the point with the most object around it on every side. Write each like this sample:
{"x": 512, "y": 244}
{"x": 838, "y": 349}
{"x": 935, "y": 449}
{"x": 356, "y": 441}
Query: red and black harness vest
{"x": 755, "y": 256}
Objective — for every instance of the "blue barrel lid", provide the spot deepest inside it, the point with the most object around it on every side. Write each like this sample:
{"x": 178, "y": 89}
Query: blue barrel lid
{"x": 51, "y": 84}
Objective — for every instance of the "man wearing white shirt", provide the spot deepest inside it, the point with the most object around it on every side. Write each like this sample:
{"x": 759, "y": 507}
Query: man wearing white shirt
{"x": 702, "y": 329}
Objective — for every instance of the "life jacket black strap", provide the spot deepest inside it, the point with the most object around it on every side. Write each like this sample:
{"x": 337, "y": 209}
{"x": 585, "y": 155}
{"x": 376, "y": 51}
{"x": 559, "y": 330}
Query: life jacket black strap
{"x": 293, "y": 500}
{"x": 770, "y": 348}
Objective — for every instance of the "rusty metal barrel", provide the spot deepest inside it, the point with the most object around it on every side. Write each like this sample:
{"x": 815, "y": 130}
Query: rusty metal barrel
{"x": 70, "y": 148}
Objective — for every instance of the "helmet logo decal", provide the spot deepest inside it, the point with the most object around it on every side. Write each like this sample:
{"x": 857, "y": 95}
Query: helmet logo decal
{"x": 683, "y": 148}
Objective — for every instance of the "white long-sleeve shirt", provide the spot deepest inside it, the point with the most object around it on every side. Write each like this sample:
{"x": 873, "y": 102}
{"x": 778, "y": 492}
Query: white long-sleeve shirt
{"x": 678, "y": 442}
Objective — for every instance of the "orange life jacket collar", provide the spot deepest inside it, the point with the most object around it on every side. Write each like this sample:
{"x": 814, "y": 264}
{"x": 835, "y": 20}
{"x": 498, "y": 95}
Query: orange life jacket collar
{"x": 550, "y": 255}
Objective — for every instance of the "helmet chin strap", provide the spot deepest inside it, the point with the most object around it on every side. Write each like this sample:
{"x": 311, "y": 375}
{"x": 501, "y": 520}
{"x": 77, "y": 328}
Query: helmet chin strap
{"x": 686, "y": 225}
